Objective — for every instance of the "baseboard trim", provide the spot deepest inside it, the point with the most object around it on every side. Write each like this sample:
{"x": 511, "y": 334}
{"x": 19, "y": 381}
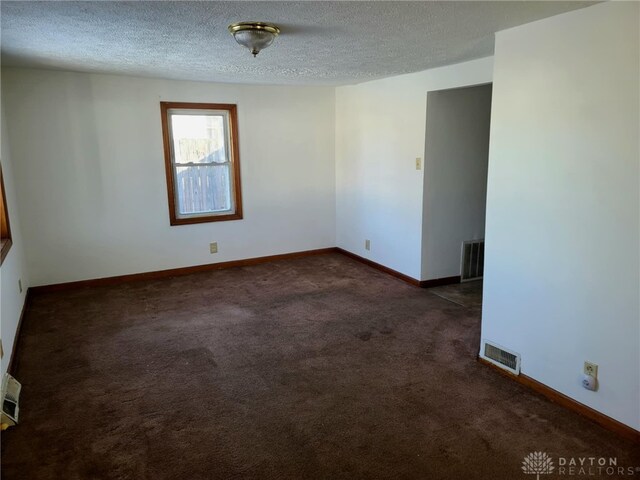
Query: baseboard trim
{"x": 569, "y": 403}
{"x": 174, "y": 272}
{"x": 438, "y": 282}
{"x": 380, "y": 267}
{"x": 12, "y": 359}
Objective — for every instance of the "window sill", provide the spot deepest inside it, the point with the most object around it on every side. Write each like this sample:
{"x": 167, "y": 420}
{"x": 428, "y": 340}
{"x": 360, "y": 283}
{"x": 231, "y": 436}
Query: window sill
{"x": 206, "y": 219}
{"x": 6, "y": 245}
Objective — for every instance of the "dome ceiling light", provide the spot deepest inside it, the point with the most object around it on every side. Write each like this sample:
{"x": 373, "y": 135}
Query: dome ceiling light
{"x": 254, "y": 35}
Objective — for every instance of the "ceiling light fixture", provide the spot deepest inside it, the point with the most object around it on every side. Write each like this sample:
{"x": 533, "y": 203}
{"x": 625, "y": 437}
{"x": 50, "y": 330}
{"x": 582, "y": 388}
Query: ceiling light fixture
{"x": 254, "y": 35}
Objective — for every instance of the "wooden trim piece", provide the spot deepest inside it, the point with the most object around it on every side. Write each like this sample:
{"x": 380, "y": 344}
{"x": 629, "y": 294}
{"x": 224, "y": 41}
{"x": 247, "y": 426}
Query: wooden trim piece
{"x": 166, "y": 142}
{"x": 417, "y": 283}
{"x": 234, "y": 156}
{"x": 174, "y": 272}
{"x": 377, "y": 266}
{"x": 569, "y": 403}
{"x": 5, "y": 226}
{"x": 437, "y": 282}
{"x": 11, "y": 368}
{"x": 6, "y": 246}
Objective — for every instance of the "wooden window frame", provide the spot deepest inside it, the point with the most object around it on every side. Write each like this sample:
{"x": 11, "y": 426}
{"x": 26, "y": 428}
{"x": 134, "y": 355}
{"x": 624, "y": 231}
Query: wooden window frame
{"x": 5, "y": 227}
{"x": 234, "y": 158}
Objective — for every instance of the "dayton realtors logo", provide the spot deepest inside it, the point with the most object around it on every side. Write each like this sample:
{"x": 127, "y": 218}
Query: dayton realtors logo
{"x": 540, "y": 463}
{"x": 537, "y": 463}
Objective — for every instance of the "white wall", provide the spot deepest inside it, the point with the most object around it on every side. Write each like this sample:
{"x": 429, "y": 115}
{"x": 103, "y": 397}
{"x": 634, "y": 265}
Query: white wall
{"x": 562, "y": 243}
{"x": 380, "y": 131}
{"x": 13, "y": 268}
{"x": 89, "y": 165}
{"x": 455, "y": 176}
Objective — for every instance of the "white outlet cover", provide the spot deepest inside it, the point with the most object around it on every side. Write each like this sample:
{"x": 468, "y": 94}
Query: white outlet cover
{"x": 589, "y": 382}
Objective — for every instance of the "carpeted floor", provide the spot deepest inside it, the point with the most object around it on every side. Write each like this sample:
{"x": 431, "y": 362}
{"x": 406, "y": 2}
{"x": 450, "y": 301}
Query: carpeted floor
{"x": 315, "y": 368}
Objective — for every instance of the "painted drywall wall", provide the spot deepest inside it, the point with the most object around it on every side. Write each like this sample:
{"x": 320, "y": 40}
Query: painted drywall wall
{"x": 380, "y": 131}
{"x": 13, "y": 268}
{"x": 455, "y": 176}
{"x": 562, "y": 234}
{"x": 91, "y": 183}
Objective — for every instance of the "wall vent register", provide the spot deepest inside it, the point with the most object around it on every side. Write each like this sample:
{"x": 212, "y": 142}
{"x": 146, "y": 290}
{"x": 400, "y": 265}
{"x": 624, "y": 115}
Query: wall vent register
{"x": 472, "y": 267}
{"x": 501, "y": 357}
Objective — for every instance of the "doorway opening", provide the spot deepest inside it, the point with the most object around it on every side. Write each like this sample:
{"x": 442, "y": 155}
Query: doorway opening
{"x": 455, "y": 191}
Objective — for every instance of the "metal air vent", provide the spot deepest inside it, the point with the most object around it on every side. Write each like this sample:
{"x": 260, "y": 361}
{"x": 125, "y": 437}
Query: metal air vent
{"x": 472, "y": 267}
{"x": 501, "y": 357}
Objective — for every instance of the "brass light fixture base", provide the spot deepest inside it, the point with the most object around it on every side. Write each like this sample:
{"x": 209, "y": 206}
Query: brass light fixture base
{"x": 238, "y": 26}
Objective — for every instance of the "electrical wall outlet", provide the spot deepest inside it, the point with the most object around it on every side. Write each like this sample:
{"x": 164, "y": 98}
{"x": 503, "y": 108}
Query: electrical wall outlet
{"x": 20, "y": 285}
{"x": 213, "y": 247}
{"x": 418, "y": 163}
{"x": 591, "y": 369}
{"x": 367, "y": 244}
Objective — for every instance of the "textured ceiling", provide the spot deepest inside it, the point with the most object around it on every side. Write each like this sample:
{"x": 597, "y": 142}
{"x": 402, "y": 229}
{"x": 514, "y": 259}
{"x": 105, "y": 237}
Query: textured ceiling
{"x": 329, "y": 43}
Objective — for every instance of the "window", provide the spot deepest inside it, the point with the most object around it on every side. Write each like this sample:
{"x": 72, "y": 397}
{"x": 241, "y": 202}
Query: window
{"x": 201, "y": 159}
{"x": 5, "y": 230}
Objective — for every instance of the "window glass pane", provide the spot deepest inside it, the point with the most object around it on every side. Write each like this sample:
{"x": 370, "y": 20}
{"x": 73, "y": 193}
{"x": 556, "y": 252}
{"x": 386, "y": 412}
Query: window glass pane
{"x": 199, "y": 138}
{"x": 205, "y": 189}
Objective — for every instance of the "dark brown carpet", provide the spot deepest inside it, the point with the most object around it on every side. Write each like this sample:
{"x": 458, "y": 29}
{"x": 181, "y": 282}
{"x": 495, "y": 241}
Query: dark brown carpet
{"x": 316, "y": 368}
